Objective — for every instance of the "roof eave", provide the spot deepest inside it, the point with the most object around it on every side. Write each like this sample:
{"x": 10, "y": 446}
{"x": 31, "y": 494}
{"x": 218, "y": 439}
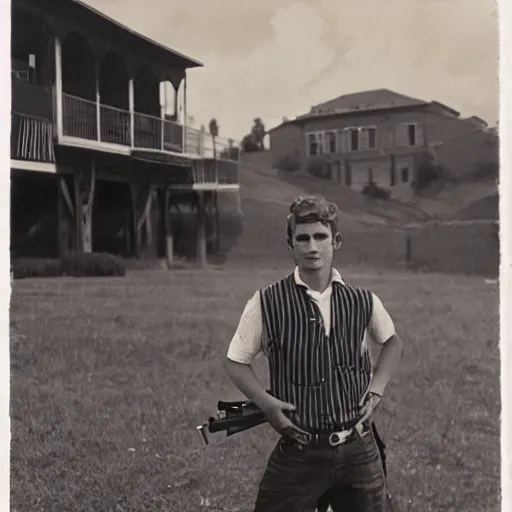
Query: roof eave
{"x": 188, "y": 61}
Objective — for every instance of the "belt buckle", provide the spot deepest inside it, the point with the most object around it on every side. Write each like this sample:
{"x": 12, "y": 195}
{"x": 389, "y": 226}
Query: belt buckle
{"x": 337, "y": 438}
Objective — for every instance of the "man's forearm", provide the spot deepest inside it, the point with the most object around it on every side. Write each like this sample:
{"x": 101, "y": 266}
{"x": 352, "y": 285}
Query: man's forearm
{"x": 247, "y": 382}
{"x": 387, "y": 364}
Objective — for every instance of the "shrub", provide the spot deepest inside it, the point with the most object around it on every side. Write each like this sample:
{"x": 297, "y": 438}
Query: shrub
{"x": 318, "y": 169}
{"x": 76, "y": 264}
{"x": 287, "y": 163}
{"x": 485, "y": 170}
{"x": 427, "y": 174}
{"x": 23, "y": 268}
{"x": 371, "y": 189}
{"x": 79, "y": 264}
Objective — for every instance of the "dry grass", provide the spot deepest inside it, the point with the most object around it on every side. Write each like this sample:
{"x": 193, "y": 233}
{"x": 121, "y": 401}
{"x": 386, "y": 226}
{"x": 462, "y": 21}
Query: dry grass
{"x": 111, "y": 376}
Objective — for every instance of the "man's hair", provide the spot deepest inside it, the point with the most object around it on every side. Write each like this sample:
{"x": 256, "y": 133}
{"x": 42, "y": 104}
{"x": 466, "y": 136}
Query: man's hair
{"x": 309, "y": 209}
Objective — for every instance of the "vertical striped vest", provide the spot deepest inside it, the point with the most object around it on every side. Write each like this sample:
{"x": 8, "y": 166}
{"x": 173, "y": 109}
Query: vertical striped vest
{"x": 324, "y": 376}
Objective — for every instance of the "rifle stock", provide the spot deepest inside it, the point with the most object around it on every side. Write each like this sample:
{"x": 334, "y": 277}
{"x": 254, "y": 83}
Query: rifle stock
{"x": 233, "y": 417}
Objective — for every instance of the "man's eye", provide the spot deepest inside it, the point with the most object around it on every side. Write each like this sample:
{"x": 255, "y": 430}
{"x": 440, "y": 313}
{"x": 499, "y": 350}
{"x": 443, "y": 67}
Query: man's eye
{"x": 302, "y": 238}
{"x": 320, "y": 237}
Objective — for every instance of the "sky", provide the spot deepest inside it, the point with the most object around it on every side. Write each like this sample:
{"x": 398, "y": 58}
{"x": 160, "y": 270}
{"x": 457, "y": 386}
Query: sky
{"x": 277, "y": 58}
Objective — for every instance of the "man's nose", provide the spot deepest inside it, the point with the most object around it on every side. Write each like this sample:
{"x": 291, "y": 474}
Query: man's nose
{"x": 312, "y": 246}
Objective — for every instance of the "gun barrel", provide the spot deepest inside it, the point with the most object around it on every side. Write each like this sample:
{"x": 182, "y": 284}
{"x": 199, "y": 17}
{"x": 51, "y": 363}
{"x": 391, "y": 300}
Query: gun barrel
{"x": 216, "y": 425}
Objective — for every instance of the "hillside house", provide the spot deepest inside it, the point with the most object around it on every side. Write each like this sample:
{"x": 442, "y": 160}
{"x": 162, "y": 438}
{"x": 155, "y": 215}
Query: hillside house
{"x": 101, "y": 158}
{"x": 377, "y": 135}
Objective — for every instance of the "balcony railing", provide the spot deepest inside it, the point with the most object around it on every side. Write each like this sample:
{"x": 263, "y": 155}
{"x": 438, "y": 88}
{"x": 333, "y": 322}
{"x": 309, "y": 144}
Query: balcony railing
{"x": 221, "y": 172}
{"x": 31, "y": 138}
{"x": 84, "y": 119}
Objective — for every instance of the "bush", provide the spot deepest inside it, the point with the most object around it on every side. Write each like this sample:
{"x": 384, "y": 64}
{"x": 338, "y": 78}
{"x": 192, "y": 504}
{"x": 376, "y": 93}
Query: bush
{"x": 287, "y": 163}
{"x": 373, "y": 190}
{"x": 318, "y": 169}
{"x": 76, "y": 264}
{"x": 485, "y": 170}
{"x": 427, "y": 174}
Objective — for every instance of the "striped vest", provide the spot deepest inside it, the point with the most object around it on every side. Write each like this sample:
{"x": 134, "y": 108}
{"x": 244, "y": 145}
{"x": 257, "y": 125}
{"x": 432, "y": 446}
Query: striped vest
{"x": 324, "y": 376}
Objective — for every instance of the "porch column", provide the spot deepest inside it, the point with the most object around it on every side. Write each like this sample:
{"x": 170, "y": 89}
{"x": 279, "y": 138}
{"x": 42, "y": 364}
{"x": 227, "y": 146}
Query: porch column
{"x": 201, "y": 230}
{"x": 66, "y": 217}
{"x": 142, "y": 195}
{"x": 58, "y": 85}
{"x": 85, "y": 183}
{"x": 184, "y": 113}
{"x": 216, "y": 222}
{"x": 169, "y": 242}
{"x": 131, "y": 106}
{"x": 98, "y": 97}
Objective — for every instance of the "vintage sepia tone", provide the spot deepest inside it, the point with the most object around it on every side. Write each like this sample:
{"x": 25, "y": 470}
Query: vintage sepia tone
{"x": 304, "y": 189}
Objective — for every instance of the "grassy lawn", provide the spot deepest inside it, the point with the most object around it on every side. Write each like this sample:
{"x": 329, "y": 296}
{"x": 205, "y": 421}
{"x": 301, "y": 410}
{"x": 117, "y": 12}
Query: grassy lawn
{"x": 110, "y": 378}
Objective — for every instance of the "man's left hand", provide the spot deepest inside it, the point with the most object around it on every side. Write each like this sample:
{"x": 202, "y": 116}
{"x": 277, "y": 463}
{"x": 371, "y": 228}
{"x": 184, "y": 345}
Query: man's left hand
{"x": 368, "y": 404}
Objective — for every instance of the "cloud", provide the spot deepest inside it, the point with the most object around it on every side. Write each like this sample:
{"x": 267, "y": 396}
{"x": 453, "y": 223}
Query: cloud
{"x": 276, "y": 58}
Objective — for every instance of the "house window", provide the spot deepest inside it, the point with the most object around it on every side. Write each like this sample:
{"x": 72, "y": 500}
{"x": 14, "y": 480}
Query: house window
{"x": 354, "y": 139}
{"x": 411, "y": 134}
{"x": 372, "y": 138}
{"x": 330, "y": 142}
{"x": 405, "y": 175}
{"x": 315, "y": 143}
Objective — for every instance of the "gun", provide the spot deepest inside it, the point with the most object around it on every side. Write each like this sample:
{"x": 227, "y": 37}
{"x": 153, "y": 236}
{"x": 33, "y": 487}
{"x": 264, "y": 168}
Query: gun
{"x": 233, "y": 417}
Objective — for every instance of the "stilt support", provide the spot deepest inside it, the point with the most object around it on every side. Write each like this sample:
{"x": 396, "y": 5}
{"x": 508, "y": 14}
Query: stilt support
{"x": 142, "y": 195}
{"x": 85, "y": 182}
{"x": 201, "y": 230}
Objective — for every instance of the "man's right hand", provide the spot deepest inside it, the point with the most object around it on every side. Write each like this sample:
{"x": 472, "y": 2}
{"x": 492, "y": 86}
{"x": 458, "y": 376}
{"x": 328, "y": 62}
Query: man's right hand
{"x": 276, "y": 417}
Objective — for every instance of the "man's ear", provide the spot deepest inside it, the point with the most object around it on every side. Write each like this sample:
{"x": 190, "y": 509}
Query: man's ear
{"x": 338, "y": 241}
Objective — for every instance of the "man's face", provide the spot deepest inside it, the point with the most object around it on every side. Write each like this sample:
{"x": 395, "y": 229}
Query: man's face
{"x": 312, "y": 246}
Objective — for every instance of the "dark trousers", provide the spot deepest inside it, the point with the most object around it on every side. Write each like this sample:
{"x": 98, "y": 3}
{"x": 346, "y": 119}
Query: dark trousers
{"x": 351, "y": 476}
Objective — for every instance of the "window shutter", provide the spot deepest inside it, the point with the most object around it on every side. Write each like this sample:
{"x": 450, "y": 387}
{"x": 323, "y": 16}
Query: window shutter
{"x": 363, "y": 139}
{"x": 343, "y": 137}
{"x": 420, "y": 135}
{"x": 401, "y": 139}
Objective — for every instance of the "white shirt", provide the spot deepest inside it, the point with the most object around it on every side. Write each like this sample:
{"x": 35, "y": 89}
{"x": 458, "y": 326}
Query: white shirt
{"x": 246, "y": 343}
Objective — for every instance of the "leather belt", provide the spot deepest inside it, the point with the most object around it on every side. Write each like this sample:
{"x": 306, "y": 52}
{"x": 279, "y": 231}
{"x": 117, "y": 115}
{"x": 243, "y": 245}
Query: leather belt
{"x": 337, "y": 438}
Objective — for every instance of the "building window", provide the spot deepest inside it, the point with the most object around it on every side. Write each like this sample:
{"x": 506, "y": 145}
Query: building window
{"x": 411, "y": 134}
{"x": 354, "y": 139}
{"x": 392, "y": 176}
{"x": 372, "y": 138}
{"x": 362, "y": 138}
{"x": 330, "y": 142}
{"x": 315, "y": 143}
{"x": 405, "y": 175}
{"x": 348, "y": 175}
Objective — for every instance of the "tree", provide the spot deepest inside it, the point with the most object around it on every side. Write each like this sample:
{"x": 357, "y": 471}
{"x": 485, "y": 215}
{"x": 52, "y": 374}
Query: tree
{"x": 214, "y": 132}
{"x": 253, "y": 141}
{"x": 258, "y": 133}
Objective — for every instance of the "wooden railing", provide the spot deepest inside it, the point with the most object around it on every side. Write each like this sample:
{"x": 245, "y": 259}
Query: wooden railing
{"x": 31, "y": 138}
{"x": 83, "y": 119}
{"x": 221, "y": 172}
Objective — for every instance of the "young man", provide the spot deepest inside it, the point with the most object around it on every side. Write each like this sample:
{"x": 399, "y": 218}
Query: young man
{"x": 319, "y": 335}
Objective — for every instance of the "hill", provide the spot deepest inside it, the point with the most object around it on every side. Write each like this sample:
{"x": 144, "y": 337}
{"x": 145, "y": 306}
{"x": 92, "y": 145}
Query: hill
{"x": 376, "y": 232}
{"x": 372, "y": 229}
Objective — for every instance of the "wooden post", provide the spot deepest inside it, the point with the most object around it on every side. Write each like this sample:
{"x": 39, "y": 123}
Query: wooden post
{"x": 85, "y": 183}
{"x": 184, "y": 140}
{"x": 66, "y": 212}
{"x": 142, "y": 194}
{"x": 216, "y": 215}
{"x": 201, "y": 230}
{"x": 58, "y": 87}
{"x": 98, "y": 98}
{"x": 169, "y": 245}
{"x": 131, "y": 103}
{"x": 408, "y": 250}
